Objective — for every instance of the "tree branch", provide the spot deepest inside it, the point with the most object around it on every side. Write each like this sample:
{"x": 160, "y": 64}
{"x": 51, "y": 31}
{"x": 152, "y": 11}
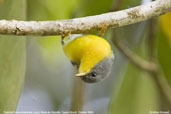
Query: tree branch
{"x": 78, "y": 95}
{"x": 133, "y": 57}
{"x": 161, "y": 82}
{"x": 149, "y": 66}
{"x": 86, "y": 24}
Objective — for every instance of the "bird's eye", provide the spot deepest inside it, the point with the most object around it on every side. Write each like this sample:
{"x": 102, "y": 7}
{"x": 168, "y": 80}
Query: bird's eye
{"x": 93, "y": 74}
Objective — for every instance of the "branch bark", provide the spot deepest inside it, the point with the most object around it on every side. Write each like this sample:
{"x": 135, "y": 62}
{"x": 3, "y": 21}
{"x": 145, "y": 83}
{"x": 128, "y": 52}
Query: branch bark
{"x": 86, "y": 24}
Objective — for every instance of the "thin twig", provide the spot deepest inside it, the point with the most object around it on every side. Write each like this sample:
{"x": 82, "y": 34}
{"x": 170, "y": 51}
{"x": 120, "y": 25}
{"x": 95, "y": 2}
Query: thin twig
{"x": 133, "y": 57}
{"x": 151, "y": 38}
{"x": 162, "y": 84}
{"x": 78, "y": 89}
{"x": 86, "y": 24}
{"x": 149, "y": 66}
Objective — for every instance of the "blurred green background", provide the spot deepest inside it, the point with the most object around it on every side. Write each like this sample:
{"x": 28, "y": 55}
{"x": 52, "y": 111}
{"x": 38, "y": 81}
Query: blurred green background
{"x": 35, "y": 75}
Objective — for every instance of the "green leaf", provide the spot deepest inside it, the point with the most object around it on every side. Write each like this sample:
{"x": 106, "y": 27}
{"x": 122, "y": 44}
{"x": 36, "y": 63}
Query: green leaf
{"x": 130, "y": 3}
{"x": 166, "y": 25}
{"x": 12, "y": 57}
{"x": 137, "y": 95}
{"x": 50, "y": 10}
{"x": 164, "y": 54}
{"x": 92, "y": 7}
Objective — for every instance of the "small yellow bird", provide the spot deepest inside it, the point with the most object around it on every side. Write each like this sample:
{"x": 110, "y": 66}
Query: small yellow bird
{"x": 92, "y": 55}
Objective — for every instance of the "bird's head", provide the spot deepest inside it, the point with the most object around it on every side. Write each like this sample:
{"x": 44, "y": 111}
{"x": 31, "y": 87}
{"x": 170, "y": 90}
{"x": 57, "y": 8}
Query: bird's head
{"x": 99, "y": 72}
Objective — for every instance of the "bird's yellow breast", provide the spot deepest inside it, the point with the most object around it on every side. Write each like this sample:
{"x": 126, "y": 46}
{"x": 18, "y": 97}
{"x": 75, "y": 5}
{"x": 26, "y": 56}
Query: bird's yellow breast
{"x": 88, "y": 51}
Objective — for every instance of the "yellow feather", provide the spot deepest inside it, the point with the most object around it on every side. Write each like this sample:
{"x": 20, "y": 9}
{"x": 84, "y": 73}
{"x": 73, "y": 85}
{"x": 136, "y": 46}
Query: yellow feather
{"x": 88, "y": 51}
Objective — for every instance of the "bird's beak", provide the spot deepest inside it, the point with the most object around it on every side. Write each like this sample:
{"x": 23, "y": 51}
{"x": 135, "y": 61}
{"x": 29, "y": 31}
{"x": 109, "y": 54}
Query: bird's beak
{"x": 81, "y": 74}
